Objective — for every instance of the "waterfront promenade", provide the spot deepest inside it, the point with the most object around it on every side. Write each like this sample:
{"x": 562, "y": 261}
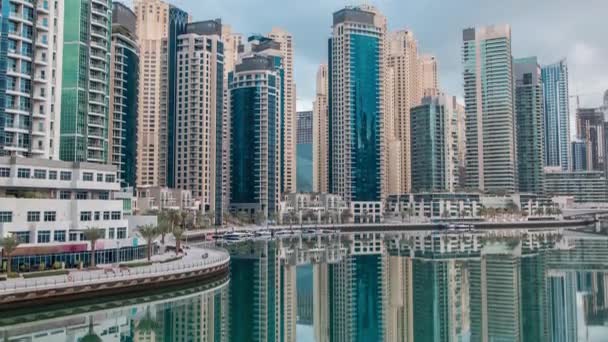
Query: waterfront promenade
{"x": 195, "y": 263}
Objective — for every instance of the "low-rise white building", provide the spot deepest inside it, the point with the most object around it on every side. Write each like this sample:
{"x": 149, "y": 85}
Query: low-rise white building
{"x": 48, "y": 205}
{"x": 317, "y": 203}
{"x": 163, "y": 198}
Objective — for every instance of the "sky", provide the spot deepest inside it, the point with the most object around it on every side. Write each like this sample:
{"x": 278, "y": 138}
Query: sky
{"x": 549, "y": 29}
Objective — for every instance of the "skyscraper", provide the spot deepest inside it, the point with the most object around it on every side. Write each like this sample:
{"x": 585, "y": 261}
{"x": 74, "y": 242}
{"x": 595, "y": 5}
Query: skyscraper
{"x": 31, "y": 50}
{"x": 288, "y": 120}
{"x": 579, "y": 156}
{"x": 304, "y": 151}
{"x": 85, "y": 90}
{"x": 530, "y": 125}
{"x": 320, "y": 147}
{"x": 124, "y": 83}
{"x": 590, "y": 129}
{"x": 200, "y": 76}
{"x": 432, "y": 146}
{"x": 557, "y": 114}
{"x": 356, "y": 69}
{"x": 461, "y": 141}
{"x": 158, "y": 25}
{"x": 255, "y": 111}
{"x": 490, "y": 112}
{"x": 429, "y": 76}
{"x": 404, "y": 91}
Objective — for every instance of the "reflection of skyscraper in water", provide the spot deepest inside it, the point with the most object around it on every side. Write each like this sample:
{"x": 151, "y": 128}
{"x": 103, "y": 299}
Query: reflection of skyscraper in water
{"x": 495, "y": 301}
{"x": 534, "y": 319}
{"x": 320, "y": 275}
{"x": 357, "y": 298}
{"x": 400, "y": 296}
{"x": 441, "y": 300}
{"x": 304, "y": 284}
{"x": 288, "y": 300}
{"x": 198, "y": 319}
{"x": 561, "y": 286}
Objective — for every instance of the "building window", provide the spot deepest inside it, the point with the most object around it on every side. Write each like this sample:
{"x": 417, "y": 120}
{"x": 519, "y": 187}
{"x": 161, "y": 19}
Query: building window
{"x": 66, "y": 175}
{"x": 5, "y": 172}
{"x": 116, "y": 215}
{"x": 106, "y": 215}
{"x": 59, "y": 236}
{"x": 110, "y": 178}
{"x": 111, "y": 233}
{"x": 85, "y": 216}
{"x": 97, "y": 216}
{"x": 6, "y": 216}
{"x": 82, "y": 195}
{"x": 44, "y": 236}
{"x": 52, "y": 174}
{"x": 65, "y": 195}
{"x": 33, "y": 216}
{"x": 104, "y": 195}
{"x": 100, "y": 177}
{"x": 50, "y": 216}
{"x": 121, "y": 233}
{"x": 87, "y": 176}
{"x": 73, "y": 236}
{"x": 40, "y": 174}
{"x": 22, "y": 237}
{"x": 23, "y": 173}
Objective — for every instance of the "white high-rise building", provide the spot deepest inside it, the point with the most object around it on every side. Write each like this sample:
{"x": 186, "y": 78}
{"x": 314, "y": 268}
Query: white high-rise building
{"x": 490, "y": 114}
{"x": 200, "y": 111}
{"x": 288, "y": 158}
{"x": 320, "y": 147}
{"x": 30, "y": 115}
{"x": 403, "y": 69}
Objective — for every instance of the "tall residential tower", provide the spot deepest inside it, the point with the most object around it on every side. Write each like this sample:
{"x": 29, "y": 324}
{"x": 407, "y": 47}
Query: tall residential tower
{"x": 557, "y": 114}
{"x": 320, "y": 131}
{"x": 490, "y": 112}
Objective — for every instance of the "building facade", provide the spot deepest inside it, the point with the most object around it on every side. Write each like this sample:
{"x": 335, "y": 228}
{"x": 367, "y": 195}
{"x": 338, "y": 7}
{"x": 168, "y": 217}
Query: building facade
{"x": 320, "y": 131}
{"x": 490, "y": 129}
{"x": 579, "y": 156}
{"x": 31, "y": 50}
{"x": 356, "y": 69}
{"x": 158, "y": 25}
{"x": 124, "y": 88}
{"x": 288, "y": 119}
{"x": 200, "y": 75}
{"x": 304, "y": 138}
{"x": 429, "y": 75}
{"x": 590, "y": 129}
{"x": 530, "y": 125}
{"x": 403, "y": 91}
{"x": 584, "y": 186}
{"x": 255, "y": 111}
{"x": 557, "y": 114}
{"x": 85, "y": 94}
{"x": 434, "y": 161}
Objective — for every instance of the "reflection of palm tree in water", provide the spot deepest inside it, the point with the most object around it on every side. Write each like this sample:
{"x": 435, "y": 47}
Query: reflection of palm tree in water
{"x": 147, "y": 324}
{"x": 91, "y": 336}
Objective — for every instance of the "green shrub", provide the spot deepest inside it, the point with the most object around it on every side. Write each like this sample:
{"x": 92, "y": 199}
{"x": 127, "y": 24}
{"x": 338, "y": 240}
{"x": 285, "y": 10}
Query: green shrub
{"x": 136, "y": 264}
{"x": 172, "y": 259}
{"x": 57, "y": 265}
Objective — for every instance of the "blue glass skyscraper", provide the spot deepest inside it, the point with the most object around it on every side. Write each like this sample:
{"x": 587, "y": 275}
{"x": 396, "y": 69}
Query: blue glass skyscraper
{"x": 557, "y": 114}
{"x": 355, "y": 104}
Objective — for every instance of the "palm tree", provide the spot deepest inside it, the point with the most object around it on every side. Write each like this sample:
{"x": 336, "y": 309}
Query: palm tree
{"x": 174, "y": 217}
{"x": 243, "y": 217}
{"x": 92, "y": 235}
{"x": 346, "y": 215}
{"x": 164, "y": 228}
{"x": 178, "y": 235}
{"x": 9, "y": 244}
{"x": 91, "y": 336}
{"x": 149, "y": 233}
{"x": 209, "y": 218}
{"x": 259, "y": 217}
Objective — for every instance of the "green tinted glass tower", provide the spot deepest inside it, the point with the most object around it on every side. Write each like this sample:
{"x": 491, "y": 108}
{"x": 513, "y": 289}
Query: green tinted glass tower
{"x": 85, "y": 89}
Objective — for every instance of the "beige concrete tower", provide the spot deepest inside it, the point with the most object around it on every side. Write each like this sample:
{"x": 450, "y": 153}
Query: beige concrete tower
{"x": 320, "y": 156}
{"x": 288, "y": 178}
{"x": 404, "y": 68}
{"x": 429, "y": 76}
{"x": 154, "y": 19}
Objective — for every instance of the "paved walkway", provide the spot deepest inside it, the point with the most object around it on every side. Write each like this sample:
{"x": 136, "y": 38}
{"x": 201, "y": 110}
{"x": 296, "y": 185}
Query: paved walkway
{"x": 192, "y": 259}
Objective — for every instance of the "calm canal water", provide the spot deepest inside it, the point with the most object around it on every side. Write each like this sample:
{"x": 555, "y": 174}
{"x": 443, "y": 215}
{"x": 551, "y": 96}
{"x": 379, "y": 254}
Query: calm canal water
{"x": 404, "y": 286}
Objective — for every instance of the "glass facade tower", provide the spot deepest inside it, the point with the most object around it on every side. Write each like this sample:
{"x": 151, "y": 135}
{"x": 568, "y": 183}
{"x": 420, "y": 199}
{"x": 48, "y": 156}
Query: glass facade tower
{"x": 255, "y": 107}
{"x": 530, "y": 125}
{"x": 356, "y": 53}
{"x": 489, "y": 101}
{"x": 85, "y": 92}
{"x": 556, "y": 114}
{"x": 304, "y": 134}
{"x": 124, "y": 81}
